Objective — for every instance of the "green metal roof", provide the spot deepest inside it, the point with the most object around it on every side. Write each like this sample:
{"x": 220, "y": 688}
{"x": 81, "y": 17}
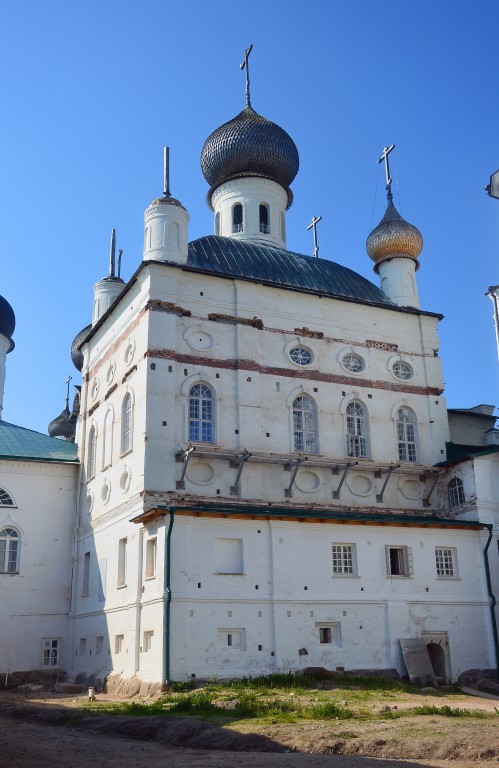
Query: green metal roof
{"x": 19, "y": 443}
{"x": 458, "y": 452}
{"x": 253, "y": 261}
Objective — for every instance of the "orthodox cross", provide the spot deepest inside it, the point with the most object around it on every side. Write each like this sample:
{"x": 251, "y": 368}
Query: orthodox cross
{"x": 245, "y": 65}
{"x": 313, "y": 225}
{"x": 384, "y": 158}
{"x": 67, "y": 391}
{"x": 166, "y": 171}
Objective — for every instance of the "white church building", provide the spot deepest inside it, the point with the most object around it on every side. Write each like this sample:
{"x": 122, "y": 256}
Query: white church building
{"x": 265, "y": 475}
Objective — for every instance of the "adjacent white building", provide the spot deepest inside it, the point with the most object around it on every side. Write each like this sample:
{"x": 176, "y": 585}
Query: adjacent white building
{"x": 264, "y": 481}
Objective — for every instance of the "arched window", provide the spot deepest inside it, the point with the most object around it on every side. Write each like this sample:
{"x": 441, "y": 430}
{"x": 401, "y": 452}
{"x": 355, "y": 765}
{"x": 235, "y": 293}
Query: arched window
{"x": 357, "y": 445}
{"x": 126, "y": 423}
{"x": 217, "y": 223}
{"x": 92, "y": 444}
{"x": 9, "y": 551}
{"x": 264, "y": 219}
{"x": 174, "y": 235}
{"x": 304, "y": 425}
{"x": 107, "y": 447}
{"x": 406, "y": 435}
{"x": 6, "y": 499}
{"x": 455, "y": 492}
{"x": 201, "y": 414}
{"x": 237, "y": 218}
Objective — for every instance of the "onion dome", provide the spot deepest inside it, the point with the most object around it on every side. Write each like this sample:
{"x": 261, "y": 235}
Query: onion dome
{"x": 76, "y": 353}
{"x": 394, "y": 238}
{"x": 249, "y": 145}
{"x": 167, "y": 200}
{"x": 63, "y": 426}
{"x": 7, "y": 321}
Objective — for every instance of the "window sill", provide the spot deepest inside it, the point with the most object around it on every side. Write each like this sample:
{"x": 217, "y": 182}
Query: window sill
{"x": 345, "y": 576}
{"x": 121, "y": 586}
{"x": 149, "y": 578}
{"x": 125, "y": 453}
{"x": 448, "y": 578}
{"x": 398, "y": 576}
{"x": 229, "y": 573}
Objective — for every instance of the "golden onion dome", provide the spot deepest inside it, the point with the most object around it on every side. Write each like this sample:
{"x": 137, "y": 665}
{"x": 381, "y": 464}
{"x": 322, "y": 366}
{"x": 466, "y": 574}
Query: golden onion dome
{"x": 394, "y": 238}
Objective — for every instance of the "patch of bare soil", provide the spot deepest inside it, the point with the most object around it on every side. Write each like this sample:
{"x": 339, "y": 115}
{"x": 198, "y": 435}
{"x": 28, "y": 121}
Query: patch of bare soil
{"x": 127, "y": 742}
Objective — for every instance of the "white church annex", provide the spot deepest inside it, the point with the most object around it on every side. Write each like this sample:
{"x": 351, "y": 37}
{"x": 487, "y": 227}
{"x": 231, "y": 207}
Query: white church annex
{"x": 266, "y": 479}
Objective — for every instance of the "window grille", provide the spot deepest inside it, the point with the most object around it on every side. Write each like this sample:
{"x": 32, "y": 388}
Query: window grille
{"x": 301, "y": 355}
{"x": 50, "y": 655}
{"x": 402, "y": 370}
{"x": 6, "y": 499}
{"x": 9, "y": 551}
{"x": 445, "y": 561}
{"x": 92, "y": 441}
{"x": 353, "y": 363}
{"x": 126, "y": 437}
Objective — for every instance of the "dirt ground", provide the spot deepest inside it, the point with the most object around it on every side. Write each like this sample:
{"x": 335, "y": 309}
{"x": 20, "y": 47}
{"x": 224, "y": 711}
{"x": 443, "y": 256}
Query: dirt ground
{"x": 29, "y": 737}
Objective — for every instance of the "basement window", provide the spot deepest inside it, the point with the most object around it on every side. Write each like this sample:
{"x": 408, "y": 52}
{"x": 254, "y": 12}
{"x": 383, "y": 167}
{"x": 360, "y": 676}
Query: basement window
{"x": 232, "y": 638}
{"x": 329, "y": 633}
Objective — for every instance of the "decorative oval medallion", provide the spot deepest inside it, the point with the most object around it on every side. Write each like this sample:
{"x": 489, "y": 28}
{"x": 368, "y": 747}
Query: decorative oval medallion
{"x": 307, "y": 481}
{"x": 200, "y": 473}
{"x": 411, "y": 488}
{"x": 360, "y": 485}
{"x": 198, "y": 339}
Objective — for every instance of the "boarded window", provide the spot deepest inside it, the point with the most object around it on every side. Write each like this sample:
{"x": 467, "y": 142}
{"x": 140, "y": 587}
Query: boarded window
{"x": 229, "y": 556}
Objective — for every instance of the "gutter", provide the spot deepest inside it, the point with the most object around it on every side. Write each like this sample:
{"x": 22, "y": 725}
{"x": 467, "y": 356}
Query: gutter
{"x": 167, "y": 599}
{"x": 490, "y": 528}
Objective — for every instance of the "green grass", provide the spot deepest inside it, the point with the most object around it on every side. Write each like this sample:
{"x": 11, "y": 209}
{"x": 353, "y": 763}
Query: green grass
{"x": 446, "y": 711}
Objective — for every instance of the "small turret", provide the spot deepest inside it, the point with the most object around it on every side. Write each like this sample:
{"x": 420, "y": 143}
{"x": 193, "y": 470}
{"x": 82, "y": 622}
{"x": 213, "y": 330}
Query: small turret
{"x": 7, "y": 326}
{"x": 109, "y": 288}
{"x": 166, "y": 225}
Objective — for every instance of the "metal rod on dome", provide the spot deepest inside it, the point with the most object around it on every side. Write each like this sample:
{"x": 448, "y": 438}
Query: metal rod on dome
{"x": 166, "y": 171}
{"x": 67, "y": 390}
{"x": 112, "y": 253}
{"x": 245, "y": 65}
{"x": 120, "y": 254}
{"x": 384, "y": 158}
{"x": 313, "y": 225}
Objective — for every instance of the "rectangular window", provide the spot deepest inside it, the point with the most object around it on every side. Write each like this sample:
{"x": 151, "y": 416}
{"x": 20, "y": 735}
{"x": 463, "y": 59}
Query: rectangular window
{"x": 50, "y": 653}
{"x": 344, "y": 559}
{"x": 99, "y": 645}
{"x": 329, "y": 633}
{"x": 232, "y": 638}
{"x": 445, "y": 560}
{"x": 119, "y": 643}
{"x": 151, "y": 548}
{"x": 122, "y": 545}
{"x": 398, "y": 561}
{"x": 86, "y": 574}
{"x": 83, "y": 645}
{"x": 229, "y": 556}
{"x": 147, "y": 640}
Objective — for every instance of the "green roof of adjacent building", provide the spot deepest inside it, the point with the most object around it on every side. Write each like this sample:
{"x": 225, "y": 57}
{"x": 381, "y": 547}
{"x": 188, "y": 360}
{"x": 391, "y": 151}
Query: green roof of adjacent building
{"x": 22, "y": 444}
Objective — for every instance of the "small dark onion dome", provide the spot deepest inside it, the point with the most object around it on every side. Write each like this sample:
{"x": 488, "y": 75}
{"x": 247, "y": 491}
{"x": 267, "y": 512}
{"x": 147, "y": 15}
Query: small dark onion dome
{"x": 166, "y": 200}
{"x": 63, "y": 426}
{"x": 7, "y": 321}
{"x": 249, "y": 145}
{"x": 77, "y": 354}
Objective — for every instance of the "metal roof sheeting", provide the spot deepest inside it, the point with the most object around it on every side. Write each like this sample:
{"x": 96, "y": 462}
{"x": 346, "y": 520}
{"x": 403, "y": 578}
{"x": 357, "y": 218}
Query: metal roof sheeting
{"x": 247, "y": 260}
{"x": 20, "y": 443}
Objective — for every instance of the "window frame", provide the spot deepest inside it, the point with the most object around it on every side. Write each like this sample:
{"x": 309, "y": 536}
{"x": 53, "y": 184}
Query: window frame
{"x": 127, "y": 424}
{"x": 91, "y": 452}
{"x": 85, "y": 579}
{"x": 147, "y": 640}
{"x": 10, "y": 554}
{"x": 404, "y": 565}
{"x": 446, "y": 562}
{"x": 344, "y": 563}
{"x": 329, "y": 633}
{"x": 237, "y": 226}
{"x": 264, "y": 226}
{"x": 51, "y": 650}
{"x": 122, "y": 563}
{"x": 305, "y": 436}
{"x": 407, "y": 447}
{"x": 201, "y": 428}
{"x": 151, "y": 558}
{"x": 357, "y": 431}
{"x": 455, "y": 492}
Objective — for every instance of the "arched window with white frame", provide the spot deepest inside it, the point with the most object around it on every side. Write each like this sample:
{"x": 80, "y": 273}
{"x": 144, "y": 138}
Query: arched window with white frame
{"x": 9, "y": 550}
{"x": 126, "y": 423}
{"x": 264, "y": 218}
{"x": 304, "y": 424}
{"x": 201, "y": 414}
{"x": 6, "y": 499}
{"x": 357, "y": 430}
{"x": 407, "y": 435}
{"x": 107, "y": 440}
{"x": 91, "y": 452}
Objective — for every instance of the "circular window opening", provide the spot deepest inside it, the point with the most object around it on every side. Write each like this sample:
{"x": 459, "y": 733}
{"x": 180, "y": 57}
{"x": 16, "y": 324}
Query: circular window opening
{"x": 402, "y": 370}
{"x": 353, "y": 363}
{"x": 301, "y": 356}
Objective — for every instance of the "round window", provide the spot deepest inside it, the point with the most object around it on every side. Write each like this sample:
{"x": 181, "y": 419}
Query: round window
{"x": 301, "y": 355}
{"x": 353, "y": 363}
{"x": 402, "y": 370}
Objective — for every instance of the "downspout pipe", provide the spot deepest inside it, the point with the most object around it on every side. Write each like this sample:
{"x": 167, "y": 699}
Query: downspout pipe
{"x": 167, "y": 599}
{"x": 490, "y": 528}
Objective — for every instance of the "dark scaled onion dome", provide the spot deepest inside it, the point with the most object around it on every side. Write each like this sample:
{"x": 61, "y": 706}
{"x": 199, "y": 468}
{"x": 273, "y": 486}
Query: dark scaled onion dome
{"x": 250, "y": 145}
{"x": 7, "y": 321}
{"x": 77, "y": 354}
{"x": 63, "y": 426}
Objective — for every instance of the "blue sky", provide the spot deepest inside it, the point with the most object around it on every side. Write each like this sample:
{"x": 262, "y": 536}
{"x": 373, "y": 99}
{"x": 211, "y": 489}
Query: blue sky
{"x": 91, "y": 92}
